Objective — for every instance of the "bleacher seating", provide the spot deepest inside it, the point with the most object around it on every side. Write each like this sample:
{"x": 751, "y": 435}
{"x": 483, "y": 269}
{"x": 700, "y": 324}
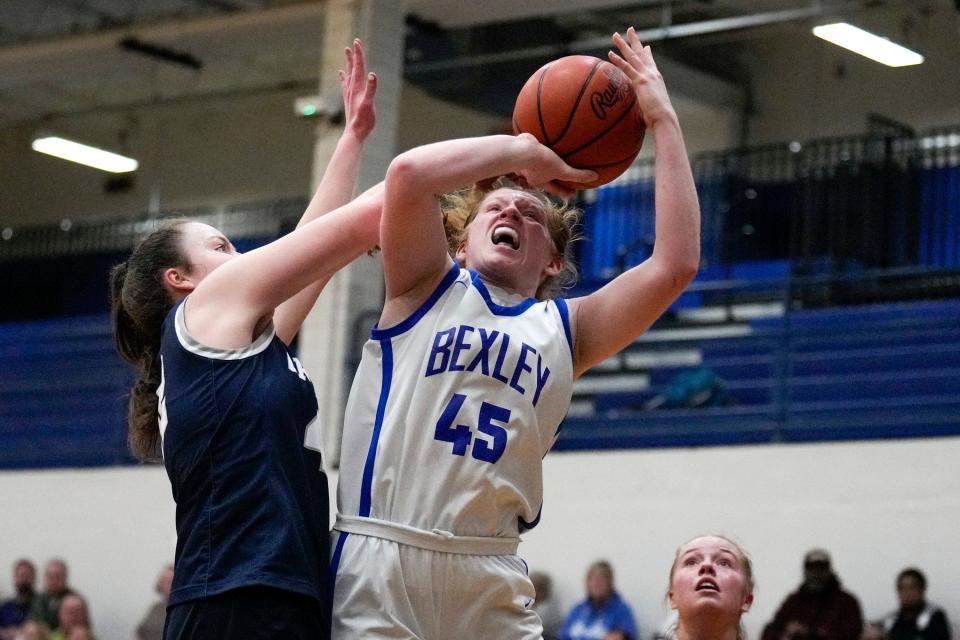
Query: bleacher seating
{"x": 62, "y": 394}
{"x": 876, "y": 371}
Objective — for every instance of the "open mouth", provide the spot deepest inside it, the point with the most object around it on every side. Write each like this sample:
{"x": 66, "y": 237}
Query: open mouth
{"x": 507, "y": 236}
{"x": 707, "y": 585}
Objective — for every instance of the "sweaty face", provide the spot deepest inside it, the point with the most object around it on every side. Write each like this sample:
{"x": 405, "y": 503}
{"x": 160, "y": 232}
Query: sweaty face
{"x": 205, "y": 249}
{"x": 709, "y": 576}
{"x": 508, "y": 242}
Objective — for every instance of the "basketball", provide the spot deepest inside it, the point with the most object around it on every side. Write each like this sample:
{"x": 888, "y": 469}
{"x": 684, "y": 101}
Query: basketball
{"x": 586, "y": 111}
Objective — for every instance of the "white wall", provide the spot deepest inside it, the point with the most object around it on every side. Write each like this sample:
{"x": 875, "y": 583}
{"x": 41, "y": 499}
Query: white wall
{"x": 114, "y": 528}
{"x": 878, "y": 507}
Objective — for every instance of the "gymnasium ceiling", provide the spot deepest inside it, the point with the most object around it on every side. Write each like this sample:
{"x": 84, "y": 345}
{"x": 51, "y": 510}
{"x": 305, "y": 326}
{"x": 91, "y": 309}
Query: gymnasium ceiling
{"x": 63, "y": 57}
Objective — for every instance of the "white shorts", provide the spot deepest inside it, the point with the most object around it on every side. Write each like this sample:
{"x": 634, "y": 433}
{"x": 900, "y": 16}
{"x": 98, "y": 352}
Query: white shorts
{"x": 385, "y": 589}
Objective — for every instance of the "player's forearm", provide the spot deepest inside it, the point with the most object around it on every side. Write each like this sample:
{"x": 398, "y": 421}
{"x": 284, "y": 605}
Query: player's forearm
{"x": 339, "y": 178}
{"x": 278, "y": 271}
{"x": 439, "y": 168}
{"x": 677, "y": 242}
{"x": 364, "y": 222}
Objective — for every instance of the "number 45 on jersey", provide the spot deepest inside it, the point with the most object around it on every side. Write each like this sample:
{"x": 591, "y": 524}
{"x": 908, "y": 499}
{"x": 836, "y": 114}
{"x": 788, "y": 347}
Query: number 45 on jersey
{"x": 489, "y": 422}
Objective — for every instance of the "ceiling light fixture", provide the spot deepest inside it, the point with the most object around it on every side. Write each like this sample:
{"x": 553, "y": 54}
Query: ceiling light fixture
{"x": 84, "y": 154}
{"x": 867, "y": 44}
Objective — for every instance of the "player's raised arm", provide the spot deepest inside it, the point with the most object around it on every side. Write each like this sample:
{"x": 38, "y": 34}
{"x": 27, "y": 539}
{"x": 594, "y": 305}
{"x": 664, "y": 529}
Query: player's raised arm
{"x": 608, "y": 320}
{"x": 339, "y": 179}
{"x": 415, "y": 249}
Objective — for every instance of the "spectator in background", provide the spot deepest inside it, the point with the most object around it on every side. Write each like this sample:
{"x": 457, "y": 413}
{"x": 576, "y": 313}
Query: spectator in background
{"x": 14, "y": 612}
{"x": 74, "y": 618}
{"x": 710, "y": 588}
{"x": 819, "y": 609}
{"x": 46, "y": 606}
{"x": 546, "y": 605}
{"x": 151, "y": 627}
{"x": 916, "y": 619}
{"x": 32, "y": 630}
{"x": 603, "y": 614}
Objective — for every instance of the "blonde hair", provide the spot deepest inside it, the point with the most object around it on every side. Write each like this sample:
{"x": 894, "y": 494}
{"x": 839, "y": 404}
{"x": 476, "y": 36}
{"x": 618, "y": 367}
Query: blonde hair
{"x": 461, "y": 207}
{"x": 746, "y": 568}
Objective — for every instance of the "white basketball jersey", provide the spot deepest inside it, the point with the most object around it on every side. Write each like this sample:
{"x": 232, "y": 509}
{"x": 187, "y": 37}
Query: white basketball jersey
{"x": 452, "y": 410}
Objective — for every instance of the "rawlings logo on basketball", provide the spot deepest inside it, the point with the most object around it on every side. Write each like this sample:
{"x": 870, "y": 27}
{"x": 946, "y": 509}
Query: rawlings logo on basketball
{"x": 601, "y": 101}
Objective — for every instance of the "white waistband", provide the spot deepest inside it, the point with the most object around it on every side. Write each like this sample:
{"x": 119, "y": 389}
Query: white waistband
{"x": 436, "y": 540}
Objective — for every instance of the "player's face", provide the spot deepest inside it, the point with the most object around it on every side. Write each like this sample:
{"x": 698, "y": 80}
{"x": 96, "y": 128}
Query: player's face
{"x": 709, "y": 576}
{"x": 508, "y": 242}
{"x": 205, "y": 249}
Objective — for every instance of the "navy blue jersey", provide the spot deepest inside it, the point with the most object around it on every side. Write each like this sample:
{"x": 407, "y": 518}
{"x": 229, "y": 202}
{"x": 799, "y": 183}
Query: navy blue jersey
{"x": 241, "y": 448}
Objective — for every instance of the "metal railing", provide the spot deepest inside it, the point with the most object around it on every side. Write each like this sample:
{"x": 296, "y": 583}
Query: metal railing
{"x": 267, "y": 219}
{"x": 878, "y": 200}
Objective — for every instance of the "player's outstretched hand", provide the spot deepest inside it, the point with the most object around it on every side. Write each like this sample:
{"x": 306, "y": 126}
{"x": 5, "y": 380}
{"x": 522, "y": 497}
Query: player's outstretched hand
{"x": 544, "y": 169}
{"x": 636, "y": 61}
{"x": 359, "y": 89}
